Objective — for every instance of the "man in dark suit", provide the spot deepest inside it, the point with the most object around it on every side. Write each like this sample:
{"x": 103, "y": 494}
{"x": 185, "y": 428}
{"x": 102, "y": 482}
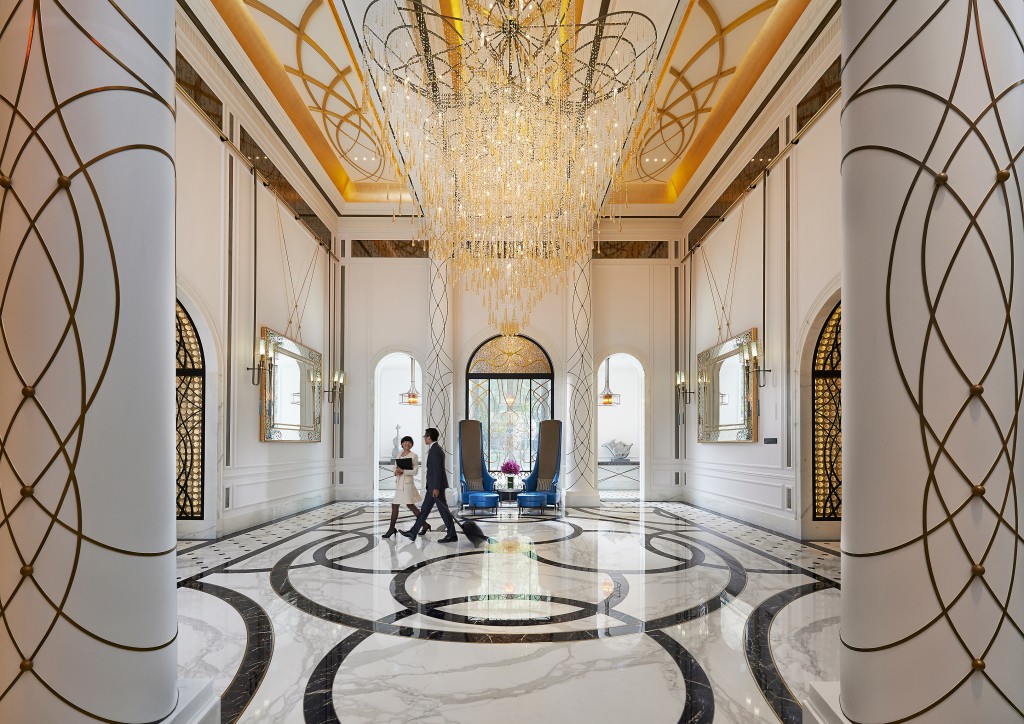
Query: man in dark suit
{"x": 436, "y": 485}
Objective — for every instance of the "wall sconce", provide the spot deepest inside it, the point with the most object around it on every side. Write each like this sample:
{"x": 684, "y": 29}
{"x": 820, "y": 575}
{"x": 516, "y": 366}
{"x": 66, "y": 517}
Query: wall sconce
{"x": 412, "y": 397}
{"x": 681, "y": 391}
{"x": 760, "y": 374}
{"x": 260, "y": 361}
{"x": 334, "y": 389}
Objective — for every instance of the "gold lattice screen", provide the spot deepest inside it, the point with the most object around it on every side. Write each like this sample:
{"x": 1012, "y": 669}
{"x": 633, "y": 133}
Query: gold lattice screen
{"x": 827, "y": 421}
{"x": 191, "y": 391}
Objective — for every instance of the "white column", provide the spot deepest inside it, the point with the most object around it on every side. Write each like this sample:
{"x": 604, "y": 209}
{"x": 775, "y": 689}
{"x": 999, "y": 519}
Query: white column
{"x": 438, "y": 377}
{"x": 580, "y": 433}
{"x": 933, "y": 600}
{"x": 87, "y": 585}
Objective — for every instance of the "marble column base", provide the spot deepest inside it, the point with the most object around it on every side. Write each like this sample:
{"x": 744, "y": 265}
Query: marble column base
{"x": 822, "y": 706}
{"x": 197, "y": 704}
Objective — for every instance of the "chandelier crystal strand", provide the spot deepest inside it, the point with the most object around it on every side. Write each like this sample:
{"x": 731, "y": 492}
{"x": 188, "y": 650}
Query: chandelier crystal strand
{"x": 511, "y": 121}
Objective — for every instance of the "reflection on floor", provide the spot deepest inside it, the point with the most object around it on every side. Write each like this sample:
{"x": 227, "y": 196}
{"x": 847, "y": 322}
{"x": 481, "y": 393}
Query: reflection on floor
{"x": 654, "y": 613}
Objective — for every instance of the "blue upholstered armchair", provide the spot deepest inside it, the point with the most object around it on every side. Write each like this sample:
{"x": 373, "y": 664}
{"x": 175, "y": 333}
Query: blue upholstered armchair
{"x": 471, "y": 460}
{"x": 547, "y": 464}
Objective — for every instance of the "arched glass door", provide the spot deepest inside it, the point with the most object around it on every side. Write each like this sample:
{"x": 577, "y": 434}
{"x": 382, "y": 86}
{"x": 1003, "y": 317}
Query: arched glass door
{"x": 510, "y": 390}
{"x": 190, "y": 417}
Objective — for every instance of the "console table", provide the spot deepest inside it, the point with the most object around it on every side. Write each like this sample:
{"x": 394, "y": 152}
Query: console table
{"x": 618, "y": 474}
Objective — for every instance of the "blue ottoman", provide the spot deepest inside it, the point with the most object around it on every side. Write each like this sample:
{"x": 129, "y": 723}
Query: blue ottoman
{"x": 484, "y": 500}
{"x": 532, "y": 500}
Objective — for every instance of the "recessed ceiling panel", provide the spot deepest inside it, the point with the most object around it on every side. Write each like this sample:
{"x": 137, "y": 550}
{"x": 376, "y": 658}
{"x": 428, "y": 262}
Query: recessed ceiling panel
{"x": 706, "y": 42}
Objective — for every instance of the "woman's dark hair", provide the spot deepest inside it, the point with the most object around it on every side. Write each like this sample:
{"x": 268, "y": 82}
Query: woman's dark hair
{"x": 407, "y": 439}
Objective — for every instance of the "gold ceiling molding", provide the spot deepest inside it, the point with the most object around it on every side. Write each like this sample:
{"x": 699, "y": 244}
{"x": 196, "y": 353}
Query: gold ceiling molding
{"x": 321, "y": 87}
{"x": 685, "y": 94}
{"x": 329, "y": 82}
{"x": 771, "y": 37}
{"x": 248, "y": 34}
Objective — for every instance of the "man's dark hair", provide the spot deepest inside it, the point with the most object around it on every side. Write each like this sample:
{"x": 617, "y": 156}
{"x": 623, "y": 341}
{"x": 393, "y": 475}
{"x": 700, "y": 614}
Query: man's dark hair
{"x": 408, "y": 439}
{"x": 432, "y": 433}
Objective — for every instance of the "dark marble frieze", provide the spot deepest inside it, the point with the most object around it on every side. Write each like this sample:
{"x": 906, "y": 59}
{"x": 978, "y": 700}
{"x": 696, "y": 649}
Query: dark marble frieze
{"x": 389, "y": 249}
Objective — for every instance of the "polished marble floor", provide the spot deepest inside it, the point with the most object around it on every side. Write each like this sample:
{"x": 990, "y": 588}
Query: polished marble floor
{"x": 648, "y": 613}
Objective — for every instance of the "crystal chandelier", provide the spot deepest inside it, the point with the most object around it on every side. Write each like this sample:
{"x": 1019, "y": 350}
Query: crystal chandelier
{"x": 511, "y": 123}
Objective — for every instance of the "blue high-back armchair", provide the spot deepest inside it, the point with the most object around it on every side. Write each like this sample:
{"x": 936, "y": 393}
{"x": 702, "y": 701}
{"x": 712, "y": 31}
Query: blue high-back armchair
{"x": 547, "y": 461}
{"x": 471, "y": 460}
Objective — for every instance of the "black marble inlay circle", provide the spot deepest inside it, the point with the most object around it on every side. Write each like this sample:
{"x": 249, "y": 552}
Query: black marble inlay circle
{"x": 343, "y": 540}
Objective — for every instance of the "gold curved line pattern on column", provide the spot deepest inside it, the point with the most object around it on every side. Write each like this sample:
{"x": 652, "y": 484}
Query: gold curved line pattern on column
{"x": 26, "y": 27}
{"x": 582, "y": 396}
{"x": 439, "y": 376}
{"x": 987, "y": 138}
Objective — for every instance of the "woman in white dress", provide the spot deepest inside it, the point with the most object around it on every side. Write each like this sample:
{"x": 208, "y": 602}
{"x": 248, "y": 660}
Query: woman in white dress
{"x": 405, "y": 488}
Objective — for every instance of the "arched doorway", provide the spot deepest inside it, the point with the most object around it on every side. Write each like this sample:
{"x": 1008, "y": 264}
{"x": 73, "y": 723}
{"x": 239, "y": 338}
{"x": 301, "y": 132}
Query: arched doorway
{"x": 397, "y": 413}
{"x": 190, "y": 418}
{"x": 510, "y": 388}
{"x": 821, "y": 437}
{"x": 620, "y": 429}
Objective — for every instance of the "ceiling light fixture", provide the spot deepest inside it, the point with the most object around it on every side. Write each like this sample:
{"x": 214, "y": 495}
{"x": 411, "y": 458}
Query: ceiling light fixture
{"x": 412, "y": 397}
{"x": 607, "y": 398}
{"x": 543, "y": 115}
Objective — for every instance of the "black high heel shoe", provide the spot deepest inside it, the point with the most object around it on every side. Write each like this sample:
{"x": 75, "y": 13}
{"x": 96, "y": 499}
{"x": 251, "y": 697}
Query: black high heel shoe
{"x": 390, "y": 532}
{"x": 426, "y": 527}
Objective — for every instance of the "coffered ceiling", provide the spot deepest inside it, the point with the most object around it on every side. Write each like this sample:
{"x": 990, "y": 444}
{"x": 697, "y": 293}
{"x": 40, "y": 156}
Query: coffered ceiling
{"x": 712, "y": 52}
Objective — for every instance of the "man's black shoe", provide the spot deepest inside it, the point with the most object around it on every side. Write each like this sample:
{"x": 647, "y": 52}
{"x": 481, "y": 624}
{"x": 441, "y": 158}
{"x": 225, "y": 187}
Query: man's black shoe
{"x": 448, "y": 539}
{"x": 408, "y": 534}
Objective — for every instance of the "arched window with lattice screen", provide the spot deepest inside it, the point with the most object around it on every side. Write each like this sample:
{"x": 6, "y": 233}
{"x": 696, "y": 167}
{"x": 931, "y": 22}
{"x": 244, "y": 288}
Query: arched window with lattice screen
{"x": 190, "y": 418}
{"x": 510, "y": 390}
{"x": 827, "y": 420}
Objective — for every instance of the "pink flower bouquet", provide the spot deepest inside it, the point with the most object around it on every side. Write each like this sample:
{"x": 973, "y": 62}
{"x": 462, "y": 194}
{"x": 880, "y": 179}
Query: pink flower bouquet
{"x": 510, "y": 467}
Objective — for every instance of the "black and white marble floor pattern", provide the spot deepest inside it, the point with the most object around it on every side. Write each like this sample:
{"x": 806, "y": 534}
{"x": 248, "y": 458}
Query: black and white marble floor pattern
{"x": 659, "y": 612}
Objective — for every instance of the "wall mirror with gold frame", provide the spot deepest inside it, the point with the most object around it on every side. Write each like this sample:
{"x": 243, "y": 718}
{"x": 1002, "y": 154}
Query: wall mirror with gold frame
{"x": 291, "y": 388}
{"x": 727, "y": 390}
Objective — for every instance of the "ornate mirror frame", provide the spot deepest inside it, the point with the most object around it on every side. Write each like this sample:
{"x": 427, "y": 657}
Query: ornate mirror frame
{"x": 709, "y": 362}
{"x": 274, "y": 346}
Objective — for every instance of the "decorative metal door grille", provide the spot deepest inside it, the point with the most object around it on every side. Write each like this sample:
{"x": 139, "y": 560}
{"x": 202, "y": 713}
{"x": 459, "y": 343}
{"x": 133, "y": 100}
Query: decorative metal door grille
{"x": 827, "y": 420}
{"x": 190, "y": 419}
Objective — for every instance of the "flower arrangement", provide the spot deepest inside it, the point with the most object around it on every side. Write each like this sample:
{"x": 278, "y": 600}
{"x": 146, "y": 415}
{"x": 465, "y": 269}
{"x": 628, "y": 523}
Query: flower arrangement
{"x": 510, "y": 467}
